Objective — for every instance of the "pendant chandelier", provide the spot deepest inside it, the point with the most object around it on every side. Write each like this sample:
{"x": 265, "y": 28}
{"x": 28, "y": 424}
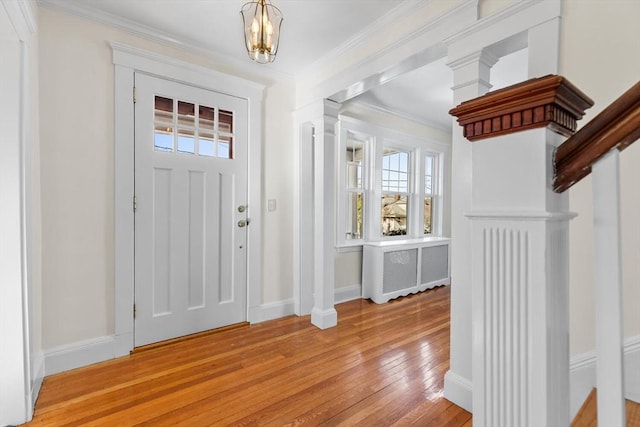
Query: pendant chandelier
{"x": 261, "y": 30}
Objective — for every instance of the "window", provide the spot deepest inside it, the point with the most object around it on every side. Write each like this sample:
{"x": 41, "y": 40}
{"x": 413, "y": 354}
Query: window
{"x": 429, "y": 182}
{"x": 390, "y": 184}
{"x": 395, "y": 192}
{"x": 195, "y": 129}
{"x": 354, "y": 188}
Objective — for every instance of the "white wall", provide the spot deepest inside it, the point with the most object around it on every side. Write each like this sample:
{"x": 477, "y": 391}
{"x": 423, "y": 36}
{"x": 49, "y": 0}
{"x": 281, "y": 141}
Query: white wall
{"x": 279, "y": 176}
{"x": 599, "y": 54}
{"x": 77, "y": 175}
{"x": 348, "y": 269}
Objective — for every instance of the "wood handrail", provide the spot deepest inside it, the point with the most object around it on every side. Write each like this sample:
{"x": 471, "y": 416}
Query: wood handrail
{"x": 617, "y": 126}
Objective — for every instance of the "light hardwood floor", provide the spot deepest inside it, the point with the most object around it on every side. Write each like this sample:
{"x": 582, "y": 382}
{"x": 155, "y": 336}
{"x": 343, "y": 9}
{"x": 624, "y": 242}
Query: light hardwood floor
{"x": 382, "y": 365}
{"x": 588, "y": 414}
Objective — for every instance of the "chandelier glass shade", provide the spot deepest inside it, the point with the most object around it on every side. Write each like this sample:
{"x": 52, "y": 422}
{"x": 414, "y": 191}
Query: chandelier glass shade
{"x": 262, "y": 23}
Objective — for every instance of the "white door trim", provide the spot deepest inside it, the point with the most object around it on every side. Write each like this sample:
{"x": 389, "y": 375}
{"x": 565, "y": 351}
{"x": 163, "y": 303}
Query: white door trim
{"x": 20, "y": 372}
{"x": 127, "y": 60}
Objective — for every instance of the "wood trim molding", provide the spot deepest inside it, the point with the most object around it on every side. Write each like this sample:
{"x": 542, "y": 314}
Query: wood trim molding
{"x": 617, "y": 126}
{"x": 549, "y": 101}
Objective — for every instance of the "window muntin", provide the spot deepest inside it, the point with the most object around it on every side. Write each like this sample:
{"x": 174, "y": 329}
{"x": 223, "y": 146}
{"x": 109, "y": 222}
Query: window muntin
{"x": 190, "y": 128}
{"x": 394, "y": 202}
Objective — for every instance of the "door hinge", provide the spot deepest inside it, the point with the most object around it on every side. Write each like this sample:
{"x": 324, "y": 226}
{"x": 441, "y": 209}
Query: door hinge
{"x": 134, "y": 94}
{"x": 134, "y": 311}
{"x": 135, "y": 203}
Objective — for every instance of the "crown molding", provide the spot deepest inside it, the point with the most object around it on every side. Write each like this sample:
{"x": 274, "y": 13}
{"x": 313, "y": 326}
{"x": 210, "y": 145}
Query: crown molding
{"x": 159, "y": 36}
{"x": 548, "y": 10}
{"x": 402, "y": 10}
{"x": 22, "y": 17}
{"x": 357, "y": 78}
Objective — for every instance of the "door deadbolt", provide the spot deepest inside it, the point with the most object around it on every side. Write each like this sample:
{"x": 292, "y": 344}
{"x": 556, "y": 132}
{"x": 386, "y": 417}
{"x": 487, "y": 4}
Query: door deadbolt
{"x": 241, "y": 208}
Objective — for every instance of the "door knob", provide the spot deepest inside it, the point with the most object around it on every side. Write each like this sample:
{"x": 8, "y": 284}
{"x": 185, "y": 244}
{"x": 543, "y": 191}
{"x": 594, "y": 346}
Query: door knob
{"x": 242, "y": 223}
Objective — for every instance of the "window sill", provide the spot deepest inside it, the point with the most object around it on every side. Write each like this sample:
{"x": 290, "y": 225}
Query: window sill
{"x": 432, "y": 240}
{"x": 357, "y": 247}
{"x": 341, "y": 249}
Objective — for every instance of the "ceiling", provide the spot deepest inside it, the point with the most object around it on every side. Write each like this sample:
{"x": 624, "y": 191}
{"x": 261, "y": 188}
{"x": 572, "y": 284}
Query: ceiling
{"x": 311, "y": 30}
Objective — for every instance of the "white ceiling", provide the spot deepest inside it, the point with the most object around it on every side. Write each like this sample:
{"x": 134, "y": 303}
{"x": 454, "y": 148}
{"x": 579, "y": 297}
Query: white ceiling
{"x": 311, "y": 30}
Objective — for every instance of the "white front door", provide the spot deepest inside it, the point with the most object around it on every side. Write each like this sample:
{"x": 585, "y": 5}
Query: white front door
{"x": 190, "y": 213}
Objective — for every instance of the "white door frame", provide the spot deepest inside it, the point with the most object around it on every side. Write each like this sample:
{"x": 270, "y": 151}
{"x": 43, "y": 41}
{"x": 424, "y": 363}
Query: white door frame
{"x": 19, "y": 379}
{"x": 127, "y": 60}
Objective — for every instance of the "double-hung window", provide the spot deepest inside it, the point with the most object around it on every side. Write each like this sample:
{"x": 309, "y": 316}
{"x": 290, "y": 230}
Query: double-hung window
{"x": 354, "y": 188}
{"x": 430, "y": 191}
{"x": 390, "y": 184}
{"x": 394, "y": 199}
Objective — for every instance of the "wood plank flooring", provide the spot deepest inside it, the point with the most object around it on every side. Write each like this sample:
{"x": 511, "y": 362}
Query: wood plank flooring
{"x": 383, "y": 365}
{"x": 587, "y": 416}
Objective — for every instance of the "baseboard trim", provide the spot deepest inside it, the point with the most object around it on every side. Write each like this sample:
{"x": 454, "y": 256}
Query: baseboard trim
{"x": 632, "y": 368}
{"x": 348, "y": 293}
{"x": 87, "y": 352}
{"x": 582, "y": 374}
{"x": 37, "y": 378}
{"x": 458, "y": 390}
{"x": 272, "y": 310}
{"x": 78, "y": 354}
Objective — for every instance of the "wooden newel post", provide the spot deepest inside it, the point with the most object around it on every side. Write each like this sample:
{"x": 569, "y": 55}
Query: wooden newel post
{"x": 520, "y": 252}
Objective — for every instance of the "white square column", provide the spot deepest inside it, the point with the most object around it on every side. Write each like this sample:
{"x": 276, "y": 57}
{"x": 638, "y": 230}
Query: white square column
{"x": 519, "y": 241}
{"x": 471, "y": 75}
{"x": 323, "y": 314}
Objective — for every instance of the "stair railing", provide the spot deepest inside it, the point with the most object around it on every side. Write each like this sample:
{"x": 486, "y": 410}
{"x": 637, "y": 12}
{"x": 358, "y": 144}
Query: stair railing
{"x": 596, "y": 148}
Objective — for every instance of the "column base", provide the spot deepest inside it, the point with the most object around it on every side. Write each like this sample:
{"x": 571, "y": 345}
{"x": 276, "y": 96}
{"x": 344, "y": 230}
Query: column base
{"x": 458, "y": 390}
{"x": 324, "y": 319}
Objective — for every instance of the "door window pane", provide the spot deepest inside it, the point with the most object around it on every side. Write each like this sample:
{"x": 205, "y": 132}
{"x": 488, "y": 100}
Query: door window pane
{"x": 163, "y": 138}
{"x": 206, "y": 147}
{"x": 206, "y": 119}
{"x": 186, "y": 141}
{"x": 225, "y": 121}
{"x": 225, "y": 144}
{"x": 186, "y": 114}
{"x": 163, "y": 124}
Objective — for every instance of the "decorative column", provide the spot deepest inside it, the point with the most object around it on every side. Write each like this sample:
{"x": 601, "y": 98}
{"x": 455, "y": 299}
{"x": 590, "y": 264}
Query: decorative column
{"x": 323, "y": 314}
{"x": 519, "y": 265}
{"x": 471, "y": 75}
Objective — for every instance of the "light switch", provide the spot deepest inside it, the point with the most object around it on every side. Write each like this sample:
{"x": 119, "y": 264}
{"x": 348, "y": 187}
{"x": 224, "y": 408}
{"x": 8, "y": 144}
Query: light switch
{"x": 271, "y": 205}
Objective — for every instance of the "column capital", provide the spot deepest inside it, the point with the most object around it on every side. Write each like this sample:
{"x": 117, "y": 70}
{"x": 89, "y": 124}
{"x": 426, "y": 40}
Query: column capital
{"x": 483, "y": 56}
{"x": 549, "y": 101}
